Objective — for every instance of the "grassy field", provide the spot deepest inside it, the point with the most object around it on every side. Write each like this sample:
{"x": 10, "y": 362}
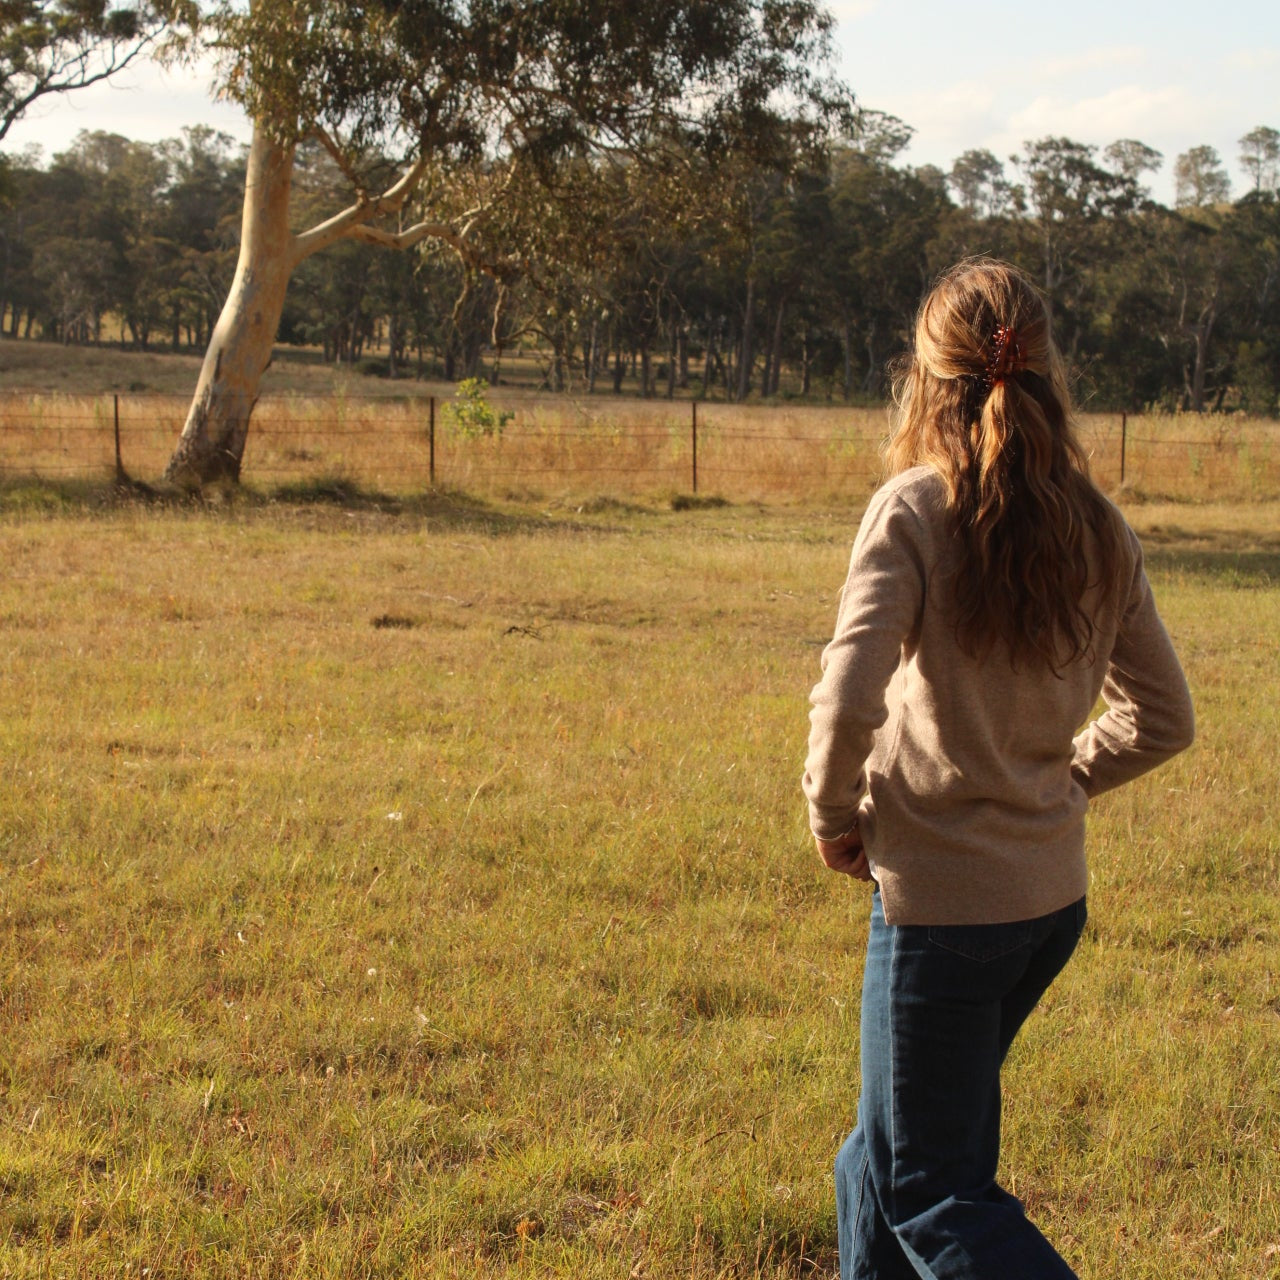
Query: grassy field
{"x": 426, "y": 892}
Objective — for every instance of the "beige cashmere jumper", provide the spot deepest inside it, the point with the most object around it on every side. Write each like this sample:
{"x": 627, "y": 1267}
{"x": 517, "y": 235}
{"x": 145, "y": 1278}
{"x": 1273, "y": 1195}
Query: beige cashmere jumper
{"x": 966, "y": 777}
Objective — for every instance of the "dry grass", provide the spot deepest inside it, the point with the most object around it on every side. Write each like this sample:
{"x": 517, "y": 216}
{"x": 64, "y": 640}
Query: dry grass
{"x": 554, "y": 448}
{"x": 428, "y": 895}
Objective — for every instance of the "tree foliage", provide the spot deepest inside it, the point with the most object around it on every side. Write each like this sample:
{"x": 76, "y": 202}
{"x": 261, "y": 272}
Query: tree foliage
{"x": 145, "y": 234}
{"x": 1260, "y": 157}
{"x": 1200, "y": 179}
{"x": 779, "y": 280}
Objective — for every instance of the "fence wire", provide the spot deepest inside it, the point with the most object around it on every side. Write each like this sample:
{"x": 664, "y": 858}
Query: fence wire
{"x": 595, "y": 446}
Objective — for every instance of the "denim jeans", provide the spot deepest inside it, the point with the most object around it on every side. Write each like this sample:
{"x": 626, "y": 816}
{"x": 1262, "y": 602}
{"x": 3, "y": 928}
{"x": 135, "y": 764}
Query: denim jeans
{"x": 916, "y": 1192}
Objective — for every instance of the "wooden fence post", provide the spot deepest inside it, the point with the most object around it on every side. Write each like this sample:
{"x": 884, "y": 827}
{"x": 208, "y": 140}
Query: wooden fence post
{"x": 431, "y": 439}
{"x": 695, "y": 446}
{"x": 1124, "y": 433}
{"x": 120, "y": 476}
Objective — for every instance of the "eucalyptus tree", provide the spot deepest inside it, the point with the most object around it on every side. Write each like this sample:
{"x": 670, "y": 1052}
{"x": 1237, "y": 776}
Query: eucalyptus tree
{"x": 1191, "y": 263}
{"x": 885, "y": 220}
{"x": 978, "y": 180}
{"x": 78, "y": 235}
{"x": 201, "y": 208}
{"x": 1077, "y": 213}
{"x": 478, "y": 105}
{"x": 1200, "y": 179}
{"x": 1260, "y": 157}
{"x": 1253, "y": 286}
{"x": 1133, "y": 160}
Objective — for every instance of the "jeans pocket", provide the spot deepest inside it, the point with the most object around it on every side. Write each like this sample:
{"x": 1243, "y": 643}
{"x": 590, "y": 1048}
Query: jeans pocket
{"x": 982, "y": 942}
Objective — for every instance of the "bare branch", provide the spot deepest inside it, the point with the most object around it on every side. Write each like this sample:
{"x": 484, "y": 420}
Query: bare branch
{"x": 339, "y": 157}
{"x": 392, "y": 200}
{"x": 364, "y": 210}
{"x": 331, "y": 230}
{"x": 409, "y": 237}
{"x": 470, "y": 254}
{"x": 71, "y": 72}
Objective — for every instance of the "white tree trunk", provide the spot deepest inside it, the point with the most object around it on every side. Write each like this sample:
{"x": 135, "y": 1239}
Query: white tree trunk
{"x": 212, "y": 443}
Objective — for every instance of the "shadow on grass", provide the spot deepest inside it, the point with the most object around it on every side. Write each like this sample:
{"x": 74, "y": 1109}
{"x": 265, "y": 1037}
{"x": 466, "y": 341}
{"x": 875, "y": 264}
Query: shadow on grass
{"x": 339, "y": 495}
{"x": 446, "y": 507}
{"x": 1225, "y": 557}
{"x": 1222, "y": 568}
{"x": 35, "y": 496}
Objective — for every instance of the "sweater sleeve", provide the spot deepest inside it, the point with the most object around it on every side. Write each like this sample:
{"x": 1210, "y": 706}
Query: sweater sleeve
{"x": 1149, "y": 716}
{"x": 880, "y": 607}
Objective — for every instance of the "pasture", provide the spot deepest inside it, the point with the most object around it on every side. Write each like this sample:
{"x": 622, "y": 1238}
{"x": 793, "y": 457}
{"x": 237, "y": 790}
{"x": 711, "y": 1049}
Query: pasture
{"x": 422, "y": 889}
{"x": 327, "y": 427}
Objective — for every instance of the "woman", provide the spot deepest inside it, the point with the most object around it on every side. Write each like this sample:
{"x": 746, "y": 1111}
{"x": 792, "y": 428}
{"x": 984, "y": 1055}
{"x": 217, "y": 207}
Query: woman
{"x": 993, "y": 594}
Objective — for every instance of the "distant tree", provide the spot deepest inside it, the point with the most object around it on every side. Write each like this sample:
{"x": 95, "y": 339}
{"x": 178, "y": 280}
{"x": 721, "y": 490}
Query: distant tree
{"x": 1190, "y": 261}
{"x": 876, "y": 260}
{"x": 1253, "y": 234}
{"x": 1132, "y": 159}
{"x": 1260, "y": 157}
{"x": 76, "y": 287}
{"x": 978, "y": 180}
{"x": 201, "y": 221}
{"x": 1076, "y": 208}
{"x": 931, "y": 176}
{"x": 54, "y": 46}
{"x": 17, "y": 175}
{"x": 879, "y": 136}
{"x": 1200, "y": 179}
{"x": 126, "y": 184}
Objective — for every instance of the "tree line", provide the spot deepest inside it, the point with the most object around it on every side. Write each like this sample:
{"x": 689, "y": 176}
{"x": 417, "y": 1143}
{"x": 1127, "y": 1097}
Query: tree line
{"x": 799, "y": 277}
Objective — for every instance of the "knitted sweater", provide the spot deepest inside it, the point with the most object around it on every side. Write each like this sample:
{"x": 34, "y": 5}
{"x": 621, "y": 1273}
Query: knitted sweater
{"x": 966, "y": 776}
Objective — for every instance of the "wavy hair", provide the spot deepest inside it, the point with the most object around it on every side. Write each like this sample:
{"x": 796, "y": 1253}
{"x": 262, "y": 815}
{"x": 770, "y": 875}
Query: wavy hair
{"x": 1035, "y": 532}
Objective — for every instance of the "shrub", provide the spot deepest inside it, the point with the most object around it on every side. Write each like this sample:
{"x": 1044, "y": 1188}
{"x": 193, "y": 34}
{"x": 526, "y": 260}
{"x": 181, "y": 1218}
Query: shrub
{"x": 471, "y": 414}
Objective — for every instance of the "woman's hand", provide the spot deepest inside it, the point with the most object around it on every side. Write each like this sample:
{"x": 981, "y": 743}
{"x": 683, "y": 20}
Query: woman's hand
{"x": 846, "y": 854}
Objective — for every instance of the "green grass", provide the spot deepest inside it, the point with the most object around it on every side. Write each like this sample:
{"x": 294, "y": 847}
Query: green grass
{"x": 489, "y": 939}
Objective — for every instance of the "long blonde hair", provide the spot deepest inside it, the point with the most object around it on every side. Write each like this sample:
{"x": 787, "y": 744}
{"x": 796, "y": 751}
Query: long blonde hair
{"x": 1034, "y": 530}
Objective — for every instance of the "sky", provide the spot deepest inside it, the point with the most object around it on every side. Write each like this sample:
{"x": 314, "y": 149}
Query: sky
{"x": 991, "y": 74}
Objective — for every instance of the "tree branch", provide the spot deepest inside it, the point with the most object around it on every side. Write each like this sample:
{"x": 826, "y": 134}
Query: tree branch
{"x": 340, "y": 158}
{"x": 407, "y": 238}
{"x": 355, "y": 216}
{"x": 410, "y": 236}
{"x": 71, "y": 73}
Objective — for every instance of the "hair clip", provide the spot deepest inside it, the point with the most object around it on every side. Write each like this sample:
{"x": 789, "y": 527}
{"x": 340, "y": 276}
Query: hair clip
{"x": 1010, "y": 356}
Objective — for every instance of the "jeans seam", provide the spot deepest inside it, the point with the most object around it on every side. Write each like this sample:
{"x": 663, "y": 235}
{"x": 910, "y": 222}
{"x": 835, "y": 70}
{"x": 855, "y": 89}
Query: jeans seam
{"x": 863, "y": 1174}
{"x": 889, "y": 1194}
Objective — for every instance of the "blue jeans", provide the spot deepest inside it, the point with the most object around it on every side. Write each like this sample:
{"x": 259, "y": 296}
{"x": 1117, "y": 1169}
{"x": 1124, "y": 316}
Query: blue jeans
{"x": 916, "y": 1192}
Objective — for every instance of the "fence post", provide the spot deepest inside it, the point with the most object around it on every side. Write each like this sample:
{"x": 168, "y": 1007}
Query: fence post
{"x": 695, "y": 446}
{"x": 120, "y": 476}
{"x": 1124, "y": 433}
{"x": 431, "y": 439}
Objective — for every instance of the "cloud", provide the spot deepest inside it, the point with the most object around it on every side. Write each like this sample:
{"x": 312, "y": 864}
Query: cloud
{"x": 1130, "y": 56}
{"x": 851, "y": 10}
{"x": 1252, "y": 60}
{"x": 957, "y": 115}
{"x": 1128, "y": 111}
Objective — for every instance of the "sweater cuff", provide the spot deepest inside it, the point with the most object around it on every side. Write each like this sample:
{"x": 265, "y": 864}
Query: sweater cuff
{"x": 1080, "y": 776}
{"x": 831, "y": 824}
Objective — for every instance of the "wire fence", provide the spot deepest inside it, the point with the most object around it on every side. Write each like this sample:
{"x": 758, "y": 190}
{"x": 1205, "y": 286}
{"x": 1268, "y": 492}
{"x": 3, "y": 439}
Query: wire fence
{"x": 593, "y": 446}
